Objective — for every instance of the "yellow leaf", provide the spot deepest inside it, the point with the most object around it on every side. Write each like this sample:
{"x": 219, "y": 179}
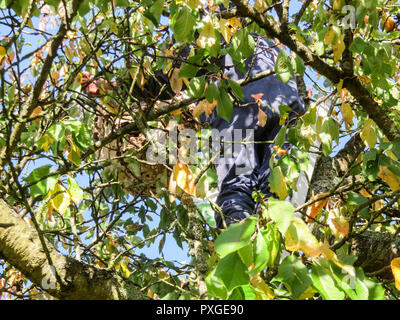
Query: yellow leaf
{"x": 331, "y": 256}
{"x": 365, "y": 193}
{"x": 69, "y": 53}
{"x": 262, "y": 118}
{"x": 235, "y": 23}
{"x": 207, "y": 36}
{"x": 330, "y": 35}
{"x": 347, "y": 113}
{"x": 172, "y": 188}
{"x": 395, "y": 265}
{"x": 74, "y": 155}
{"x": 225, "y": 29}
{"x": 110, "y": 105}
{"x": 391, "y": 155}
{"x": 261, "y": 287}
{"x": 62, "y": 200}
{"x": 175, "y": 82}
{"x": 2, "y": 52}
{"x": 299, "y": 237}
{"x": 278, "y": 183}
{"x": 150, "y": 294}
{"x": 368, "y": 134}
{"x": 184, "y": 178}
{"x": 47, "y": 142}
{"x": 338, "y": 48}
{"x": 193, "y": 4}
{"x": 300, "y": 38}
{"x": 364, "y": 78}
{"x": 125, "y": 270}
{"x": 389, "y": 177}
{"x": 309, "y": 293}
{"x": 337, "y": 5}
{"x": 339, "y": 86}
{"x": 260, "y": 5}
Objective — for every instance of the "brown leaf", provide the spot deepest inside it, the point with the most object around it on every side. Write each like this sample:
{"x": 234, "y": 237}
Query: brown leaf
{"x": 262, "y": 118}
{"x": 175, "y": 82}
{"x": 316, "y": 207}
{"x": 389, "y": 177}
{"x": 210, "y": 107}
{"x": 338, "y": 224}
{"x": 35, "y": 113}
{"x": 257, "y": 96}
{"x": 199, "y": 108}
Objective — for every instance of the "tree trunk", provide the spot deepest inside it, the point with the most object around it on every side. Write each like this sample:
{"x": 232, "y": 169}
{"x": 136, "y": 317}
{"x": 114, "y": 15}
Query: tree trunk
{"x": 374, "y": 250}
{"x": 58, "y": 275}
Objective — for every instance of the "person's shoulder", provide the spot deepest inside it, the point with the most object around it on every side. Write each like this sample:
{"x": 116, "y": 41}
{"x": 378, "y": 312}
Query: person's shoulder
{"x": 262, "y": 40}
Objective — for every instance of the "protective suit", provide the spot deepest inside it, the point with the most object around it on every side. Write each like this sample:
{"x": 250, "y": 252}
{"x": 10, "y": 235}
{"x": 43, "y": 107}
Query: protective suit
{"x": 248, "y": 167}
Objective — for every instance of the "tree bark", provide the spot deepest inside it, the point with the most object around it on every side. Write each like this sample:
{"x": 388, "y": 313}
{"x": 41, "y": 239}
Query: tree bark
{"x": 63, "y": 278}
{"x": 374, "y": 250}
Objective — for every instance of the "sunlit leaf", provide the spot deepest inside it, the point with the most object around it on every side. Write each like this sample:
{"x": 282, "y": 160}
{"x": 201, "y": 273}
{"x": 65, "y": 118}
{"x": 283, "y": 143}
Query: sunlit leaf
{"x": 236, "y": 236}
{"x": 395, "y": 265}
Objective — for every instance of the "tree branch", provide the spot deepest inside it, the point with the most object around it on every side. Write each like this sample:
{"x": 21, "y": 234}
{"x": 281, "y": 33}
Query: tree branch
{"x": 21, "y": 247}
{"x": 352, "y": 84}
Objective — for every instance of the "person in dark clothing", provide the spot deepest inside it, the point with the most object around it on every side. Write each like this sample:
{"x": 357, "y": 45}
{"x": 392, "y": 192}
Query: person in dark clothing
{"x": 249, "y": 168}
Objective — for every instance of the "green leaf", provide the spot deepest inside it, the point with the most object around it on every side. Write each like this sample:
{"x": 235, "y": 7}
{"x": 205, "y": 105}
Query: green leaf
{"x": 224, "y": 105}
{"x": 329, "y": 131}
{"x": 375, "y": 290}
{"x": 246, "y": 254}
{"x": 237, "y": 89}
{"x": 232, "y": 271}
{"x": 196, "y": 87}
{"x": 325, "y": 284}
{"x": 212, "y": 92}
{"x": 358, "y": 45}
{"x": 272, "y": 238}
{"x": 356, "y": 199}
{"x": 281, "y": 136}
{"x": 283, "y": 67}
{"x": 245, "y": 292}
{"x": 188, "y": 70}
{"x": 298, "y": 64}
{"x": 369, "y": 4}
{"x": 154, "y": 13}
{"x": 282, "y": 213}
{"x": 43, "y": 186}
{"x": 207, "y": 213}
{"x": 84, "y": 8}
{"x": 215, "y": 286}
{"x": 278, "y": 183}
{"x": 243, "y": 42}
{"x": 260, "y": 253}
{"x": 294, "y": 274}
{"x": 4, "y": 4}
{"x": 236, "y": 236}
{"x": 182, "y": 24}
{"x": 74, "y": 190}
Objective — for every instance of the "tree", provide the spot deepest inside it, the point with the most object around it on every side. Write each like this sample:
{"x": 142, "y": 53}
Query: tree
{"x": 78, "y": 193}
